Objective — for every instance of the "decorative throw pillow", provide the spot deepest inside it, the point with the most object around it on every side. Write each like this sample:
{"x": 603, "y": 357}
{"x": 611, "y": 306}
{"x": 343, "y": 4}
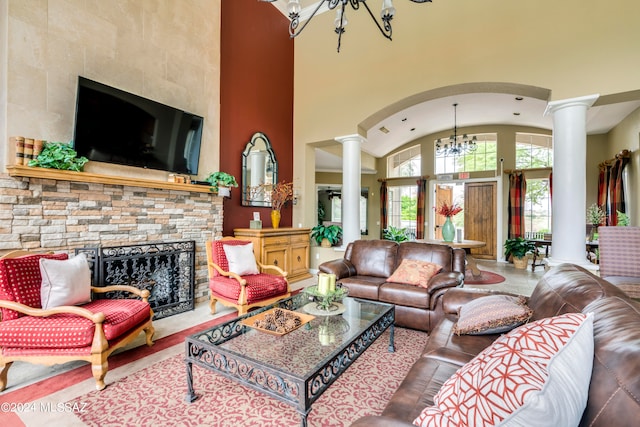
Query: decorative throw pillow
{"x": 536, "y": 375}
{"x": 241, "y": 259}
{"x": 492, "y": 314}
{"x": 414, "y": 272}
{"x": 66, "y": 282}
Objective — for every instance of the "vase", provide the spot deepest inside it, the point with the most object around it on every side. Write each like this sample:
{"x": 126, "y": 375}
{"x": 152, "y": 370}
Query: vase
{"x": 275, "y": 218}
{"x": 448, "y": 230}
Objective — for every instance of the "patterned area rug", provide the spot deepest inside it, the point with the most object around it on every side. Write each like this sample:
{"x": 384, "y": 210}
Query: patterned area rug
{"x": 485, "y": 278}
{"x": 156, "y": 395}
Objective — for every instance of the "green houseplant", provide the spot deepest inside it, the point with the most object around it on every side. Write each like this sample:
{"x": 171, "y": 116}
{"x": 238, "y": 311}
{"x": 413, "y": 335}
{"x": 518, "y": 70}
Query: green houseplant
{"x": 58, "y": 155}
{"x": 326, "y": 235}
{"x": 518, "y": 248}
{"x": 221, "y": 183}
{"x": 395, "y": 234}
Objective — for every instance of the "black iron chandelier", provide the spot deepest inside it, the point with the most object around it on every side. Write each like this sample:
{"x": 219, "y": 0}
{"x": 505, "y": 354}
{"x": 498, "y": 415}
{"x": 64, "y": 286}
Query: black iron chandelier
{"x": 294, "y": 8}
{"x": 456, "y": 145}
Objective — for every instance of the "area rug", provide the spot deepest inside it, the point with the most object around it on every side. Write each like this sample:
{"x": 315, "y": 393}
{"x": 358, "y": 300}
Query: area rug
{"x": 485, "y": 278}
{"x": 156, "y": 395}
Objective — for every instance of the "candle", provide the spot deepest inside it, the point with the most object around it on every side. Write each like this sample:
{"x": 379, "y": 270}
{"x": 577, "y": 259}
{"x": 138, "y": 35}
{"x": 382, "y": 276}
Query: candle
{"x": 332, "y": 282}
{"x": 323, "y": 283}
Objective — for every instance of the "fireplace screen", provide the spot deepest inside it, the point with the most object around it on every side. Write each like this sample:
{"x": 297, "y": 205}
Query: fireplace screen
{"x": 166, "y": 270}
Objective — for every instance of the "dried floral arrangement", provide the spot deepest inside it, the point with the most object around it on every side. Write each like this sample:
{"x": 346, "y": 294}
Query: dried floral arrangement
{"x": 596, "y": 215}
{"x": 281, "y": 321}
{"x": 281, "y": 193}
{"x": 448, "y": 210}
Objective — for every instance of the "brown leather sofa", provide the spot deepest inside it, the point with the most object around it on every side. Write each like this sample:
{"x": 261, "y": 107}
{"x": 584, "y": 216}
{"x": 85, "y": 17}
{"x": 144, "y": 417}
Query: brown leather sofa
{"x": 614, "y": 393}
{"x": 368, "y": 263}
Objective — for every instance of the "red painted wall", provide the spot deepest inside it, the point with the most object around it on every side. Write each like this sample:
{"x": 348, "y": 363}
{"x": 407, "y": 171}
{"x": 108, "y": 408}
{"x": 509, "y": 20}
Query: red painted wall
{"x": 256, "y": 95}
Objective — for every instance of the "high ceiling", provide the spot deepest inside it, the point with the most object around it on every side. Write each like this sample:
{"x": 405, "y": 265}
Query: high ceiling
{"x": 474, "y": 109}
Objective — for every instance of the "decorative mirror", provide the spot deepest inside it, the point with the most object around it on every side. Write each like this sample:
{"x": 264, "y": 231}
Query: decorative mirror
{"x": 259, "y": 167}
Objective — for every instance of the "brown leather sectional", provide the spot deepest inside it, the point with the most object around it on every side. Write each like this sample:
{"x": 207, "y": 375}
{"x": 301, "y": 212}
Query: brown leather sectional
{"x": 368, "y": 263}
{"x": 614, "y": 394}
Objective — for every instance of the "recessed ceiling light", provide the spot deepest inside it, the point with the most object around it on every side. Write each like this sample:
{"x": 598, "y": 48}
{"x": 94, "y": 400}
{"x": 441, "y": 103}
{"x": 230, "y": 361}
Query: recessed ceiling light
{"x": 516, "y": 114}
{"x": 519, "y": 98}
{"x": 412, "y": 129}
{"x": 384, "y": 130}
{"x": 404, "y": 120}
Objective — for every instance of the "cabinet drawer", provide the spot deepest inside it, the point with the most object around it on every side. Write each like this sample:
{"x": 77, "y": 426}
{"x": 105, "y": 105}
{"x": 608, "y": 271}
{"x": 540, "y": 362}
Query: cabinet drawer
{"x": 277, "y": 241}
{"x": 299, "y": 238}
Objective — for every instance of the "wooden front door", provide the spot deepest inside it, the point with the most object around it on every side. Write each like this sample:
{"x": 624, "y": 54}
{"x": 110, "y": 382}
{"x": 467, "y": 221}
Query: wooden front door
{"x": 480, "y": 217}
{"x": 444, "y": 194}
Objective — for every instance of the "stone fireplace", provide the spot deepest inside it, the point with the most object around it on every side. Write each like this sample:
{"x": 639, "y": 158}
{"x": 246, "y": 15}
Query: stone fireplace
{"x": 65, "y": 211}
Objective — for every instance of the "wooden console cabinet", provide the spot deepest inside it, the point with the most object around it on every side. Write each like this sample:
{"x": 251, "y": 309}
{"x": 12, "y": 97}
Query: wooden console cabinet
{"x": 288, "y": 248}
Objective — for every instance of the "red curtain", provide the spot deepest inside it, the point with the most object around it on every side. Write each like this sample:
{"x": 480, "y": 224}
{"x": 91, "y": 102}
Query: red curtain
{"x": 602, "y": 187}
{"x": 422, "y": 190}
{"x": 517, "y": 191}
{"x": 616, "y": 189}
{"x": 383, "y": 207}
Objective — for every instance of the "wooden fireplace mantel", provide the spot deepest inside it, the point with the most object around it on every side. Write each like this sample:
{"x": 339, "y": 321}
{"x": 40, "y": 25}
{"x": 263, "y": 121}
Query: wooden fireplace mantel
{"x": 64, "y": 175}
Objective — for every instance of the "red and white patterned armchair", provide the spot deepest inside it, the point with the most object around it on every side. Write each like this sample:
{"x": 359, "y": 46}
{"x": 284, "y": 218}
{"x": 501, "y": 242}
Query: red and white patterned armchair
{"x": 247, "y": 289}
{"x": 90, "y": 331}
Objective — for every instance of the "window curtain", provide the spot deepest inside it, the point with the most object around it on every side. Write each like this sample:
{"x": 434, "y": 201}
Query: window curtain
{"x": 616, "y": 189}
{"x": 517, "y": 191}
{"x": 383, "y": 207}
{"x": 603, "y": 178}
{"x": 422, "y": 190}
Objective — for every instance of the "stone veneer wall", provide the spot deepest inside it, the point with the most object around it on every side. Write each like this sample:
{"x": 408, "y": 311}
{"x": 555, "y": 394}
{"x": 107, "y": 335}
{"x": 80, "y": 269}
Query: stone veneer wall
{"x": 61, "y": 215}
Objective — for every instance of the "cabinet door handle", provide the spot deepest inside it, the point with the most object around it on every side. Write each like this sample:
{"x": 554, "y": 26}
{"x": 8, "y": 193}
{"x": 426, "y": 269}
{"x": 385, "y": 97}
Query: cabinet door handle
{"x": 275, "y": 262}
{"x": 299, "y": 259}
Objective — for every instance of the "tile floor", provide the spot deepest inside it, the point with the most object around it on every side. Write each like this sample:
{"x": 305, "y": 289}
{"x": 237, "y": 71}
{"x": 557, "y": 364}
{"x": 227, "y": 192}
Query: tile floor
{"x": 22, "y": 374}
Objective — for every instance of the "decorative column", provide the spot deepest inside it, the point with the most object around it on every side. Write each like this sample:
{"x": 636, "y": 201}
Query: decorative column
{"x": 569, "y": 197}
{"x": 257, "y": 160}
{"x": 351, "y": 170}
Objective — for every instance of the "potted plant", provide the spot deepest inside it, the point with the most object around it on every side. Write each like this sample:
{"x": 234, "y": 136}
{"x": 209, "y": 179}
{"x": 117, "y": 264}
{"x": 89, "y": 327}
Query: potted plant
{"x": 395, "y": 234}
{"x": 518, "y": 248}
{"x": 221, "y": 183}
{"x": 596, "y": 216}
{"x": 326, "y": 235}
{"x": 58, "y": 155}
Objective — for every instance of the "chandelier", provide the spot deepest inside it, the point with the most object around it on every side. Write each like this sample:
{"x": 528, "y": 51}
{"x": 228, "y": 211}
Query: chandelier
{"x": 386, "y": 15}
{"x": 456, "y": 145}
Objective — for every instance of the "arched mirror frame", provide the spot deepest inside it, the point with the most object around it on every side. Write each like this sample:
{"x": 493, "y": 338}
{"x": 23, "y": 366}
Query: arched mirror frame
{"x": 258, "y": 147}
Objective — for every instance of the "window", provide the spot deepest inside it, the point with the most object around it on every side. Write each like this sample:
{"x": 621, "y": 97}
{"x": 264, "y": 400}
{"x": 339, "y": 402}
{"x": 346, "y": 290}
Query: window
{"x": 402, "y": 208}
{"x": 404, "y": 163}
{"x": 483, "y": 159}
{"x": 533, "y": 151}
{"x": 537, "y": 205}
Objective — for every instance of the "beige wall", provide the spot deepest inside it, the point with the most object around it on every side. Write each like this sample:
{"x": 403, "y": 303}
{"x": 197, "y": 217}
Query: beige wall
{"x": 568, "y": 48}
{"x": 168, "y": 51}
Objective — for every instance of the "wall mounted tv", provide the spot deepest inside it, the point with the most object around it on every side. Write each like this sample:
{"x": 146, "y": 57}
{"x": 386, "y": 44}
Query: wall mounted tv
{"x": 115, "y": 126}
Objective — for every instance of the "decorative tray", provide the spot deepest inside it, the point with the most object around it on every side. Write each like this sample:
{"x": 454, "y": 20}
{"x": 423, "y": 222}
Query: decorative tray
{"x": 277, "y": 321}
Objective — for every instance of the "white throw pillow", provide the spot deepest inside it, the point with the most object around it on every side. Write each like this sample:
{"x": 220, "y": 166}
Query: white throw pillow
{"x": 537, "y": 375}
{"x": 241, "y": 259}
{"x": 65, "y": 282}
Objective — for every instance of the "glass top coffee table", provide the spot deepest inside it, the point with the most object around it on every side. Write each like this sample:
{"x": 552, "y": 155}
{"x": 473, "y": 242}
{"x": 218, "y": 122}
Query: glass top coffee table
{"x": 296, "y": 367}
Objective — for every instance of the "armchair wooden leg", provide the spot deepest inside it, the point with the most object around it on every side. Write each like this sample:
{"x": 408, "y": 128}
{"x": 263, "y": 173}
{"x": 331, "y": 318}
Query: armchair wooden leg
{"x": 212, "y": 304}
{"x": 4, "y": 370}
{"x": 149, "y": 332}
{"x": 99, "y": 371}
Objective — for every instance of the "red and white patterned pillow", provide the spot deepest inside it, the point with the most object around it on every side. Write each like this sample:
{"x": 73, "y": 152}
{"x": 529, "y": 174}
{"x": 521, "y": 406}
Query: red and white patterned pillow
{"x": 413, "y": 272}
{"x": 540, "y": 371}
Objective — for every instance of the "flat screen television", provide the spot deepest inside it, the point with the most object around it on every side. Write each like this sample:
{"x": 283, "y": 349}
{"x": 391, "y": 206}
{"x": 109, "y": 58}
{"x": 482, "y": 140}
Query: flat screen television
{"x": 115, "y": 126}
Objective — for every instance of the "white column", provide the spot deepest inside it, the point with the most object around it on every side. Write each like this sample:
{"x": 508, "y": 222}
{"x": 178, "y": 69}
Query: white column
{"x": 350, "y": 187}
{"x": 257, "y": 160}
{"x": 569, "y": 197}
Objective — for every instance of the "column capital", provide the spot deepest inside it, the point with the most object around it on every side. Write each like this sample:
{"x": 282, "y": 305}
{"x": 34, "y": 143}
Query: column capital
{"x": 586, "y": 101}
{"x": 346, "y": 138}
